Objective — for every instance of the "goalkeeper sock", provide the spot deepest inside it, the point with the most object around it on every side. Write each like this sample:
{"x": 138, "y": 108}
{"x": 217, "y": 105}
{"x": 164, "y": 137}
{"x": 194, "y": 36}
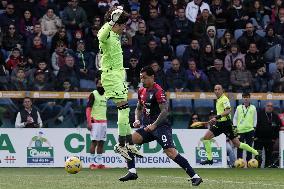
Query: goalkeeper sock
{"x": 208, "y": 149}
{"x": 123, "y": 122}
{"x": 248, "y": 148}
{"x": 131, "y": 163}
{"x": 129, "y": 139}
{"x": 183, "y": 163}
{"x": 99, "y": 159}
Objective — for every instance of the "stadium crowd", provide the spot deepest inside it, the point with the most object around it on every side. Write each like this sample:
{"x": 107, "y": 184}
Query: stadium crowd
{"x": 191, "y": 45}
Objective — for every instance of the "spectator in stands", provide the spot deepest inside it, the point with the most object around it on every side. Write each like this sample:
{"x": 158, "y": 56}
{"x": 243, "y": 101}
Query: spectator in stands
{"x": 160, "y": 77}
{"x": 58, "y": 57}
{"x": 84, "y": 61}
{"x": 69, "y": 71}
{"x": 241, "y": 79}
{"x": 133, "y": 22}
{"x": 27, "y": 22}
{"x": 133, "y": 73}
{"x": 40, "y": 82}
{"x": 13, "y": 59}
{"x": 49, "y": 75}
{"x": 218, "y": 74}
{"x": 3, "y": 5}
{"x": 127, "y": 47}
{"x": 278, "y": 76}
{"x": 150, "y": 53}
{"x": 250, "y": 36}
{"x": 28, "y": 117}
{"x": 158, "y": 24}
{"x": 182, "y": 28}
{"x": 238, "y": 16}
{"x": 194, "y": 118}
{"x": 50, "y": 24}
{"x": 172, "y": 9}
{"x": 59, "y": 36}
{"x": 257, "y": 15}
{"x": 97, "y": 21}
{"x": 233, "y": 56}
{"x": 9, "y": 17}
{"x": 262, "y": 81}
{"x": 191, "y": 52}
{"x": 78, "y": 36}
{"x": 92, "y": 44}
{"x": 210, "y": 37}
{"x": 194, "y": 9}
{"x": 37, "y": 33}
{"x": 273, "y": 44}
{"x": 42, "y": 7}
{"x": 4, "y": 74}
{"x": 197, "y": 79}
{"x": 267, "y": 131}
{"x": 141, "y": 37}
{"x": 219, "y": 11}
{"x": 207, "y": 58}
{"x": 176, "y": 77}
{"x": 20, "y": 82}
{"x": 223, "y": 46}
{"x": 254, "y": 59}
{"x": 146, "y": 7}
{"x": 74, "y": 18}
{"x": 12, "y": 39}
{"x": 200, "y": 26}
{"x": 279, "y": 22}
{"x": 166, "y": 49}
{"x": 23, "y": 64}
{"x": 38, "y": 52}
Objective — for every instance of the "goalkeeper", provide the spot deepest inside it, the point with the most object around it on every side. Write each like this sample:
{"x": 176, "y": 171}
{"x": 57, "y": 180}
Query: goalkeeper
{"x": 113, "y": 76}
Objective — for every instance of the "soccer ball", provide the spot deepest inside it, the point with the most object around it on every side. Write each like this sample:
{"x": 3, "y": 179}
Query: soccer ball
{"x": 253, "y": 163}
{"x": 73, "y": 165}
{"x": 240, "y": 163}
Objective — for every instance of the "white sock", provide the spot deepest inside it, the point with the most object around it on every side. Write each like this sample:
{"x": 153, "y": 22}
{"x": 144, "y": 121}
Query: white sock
{"x": 99, "y": 159}
{"x": 132, "y": 170}
{"x": 196, "y": 176}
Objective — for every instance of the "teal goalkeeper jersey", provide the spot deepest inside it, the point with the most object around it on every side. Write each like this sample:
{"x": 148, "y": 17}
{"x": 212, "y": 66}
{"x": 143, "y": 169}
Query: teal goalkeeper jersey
{"x": 110, "y": 49}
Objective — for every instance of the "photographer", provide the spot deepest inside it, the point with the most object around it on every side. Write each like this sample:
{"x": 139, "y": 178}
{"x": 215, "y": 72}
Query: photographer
{"x": 28, "y": 117}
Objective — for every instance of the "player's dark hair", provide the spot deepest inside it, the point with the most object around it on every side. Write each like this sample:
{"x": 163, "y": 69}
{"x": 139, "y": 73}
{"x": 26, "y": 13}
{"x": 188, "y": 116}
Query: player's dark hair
{"x": 246, "y": 94}
{"x": 148, "y": 70}
{"x": 122, "y": 19}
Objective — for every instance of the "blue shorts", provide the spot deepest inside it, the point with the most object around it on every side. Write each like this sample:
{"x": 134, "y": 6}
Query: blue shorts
{"x": 163, "y": 135}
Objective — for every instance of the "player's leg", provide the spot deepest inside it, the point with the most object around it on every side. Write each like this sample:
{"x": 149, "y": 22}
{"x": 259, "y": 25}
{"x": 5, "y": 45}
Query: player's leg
{"x": 239, "y": 150}
{"x": 268, "y": 148}
{"x": 138, "y": 137}
{"x": 100, "y": 151}
{"x": 183, "y": 163}
{"x": 207, "y": 144}
{"x": 249, "y": 140}
{"x": 130, "y": 144}
{"x": 93, "y": 152}
{"x": 258, "y": 145}
{"x": 163, "y": 135}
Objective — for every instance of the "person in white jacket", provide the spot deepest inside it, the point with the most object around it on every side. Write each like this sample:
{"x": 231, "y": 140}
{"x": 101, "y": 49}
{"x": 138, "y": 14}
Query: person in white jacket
{"x": 194, "y": 8}
{"x": 50, "y": 24}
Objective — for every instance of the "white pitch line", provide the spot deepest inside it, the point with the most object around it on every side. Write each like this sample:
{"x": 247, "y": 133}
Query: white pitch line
{"x": 230, "y": 182}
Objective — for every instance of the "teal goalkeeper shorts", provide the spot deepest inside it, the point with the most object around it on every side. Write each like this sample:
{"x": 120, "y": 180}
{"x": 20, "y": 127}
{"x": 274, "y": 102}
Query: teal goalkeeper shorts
{"x": 114, "y": 84}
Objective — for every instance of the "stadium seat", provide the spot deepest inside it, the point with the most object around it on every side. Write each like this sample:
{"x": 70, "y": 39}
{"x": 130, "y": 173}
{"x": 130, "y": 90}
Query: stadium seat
{"x": 272, "y": 67}
{"x": 181, "y": 106}
{"x": 261, "y": 33}
{"x": 180, "y": 50}
{"x": 255, "y": 103}
{"x": 203, "y": 108}
{"x": 238, "y": 33}
{"x": 220, "y": 33}
{"x": 167, "y": 65}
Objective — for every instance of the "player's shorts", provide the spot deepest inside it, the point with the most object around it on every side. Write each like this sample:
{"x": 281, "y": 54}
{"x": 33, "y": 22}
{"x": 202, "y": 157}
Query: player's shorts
{"x": 98, "y": 131}
{"x": 225, "y": 127}
{"x": 163, "y": 135}
{"x": 114, "y": 84}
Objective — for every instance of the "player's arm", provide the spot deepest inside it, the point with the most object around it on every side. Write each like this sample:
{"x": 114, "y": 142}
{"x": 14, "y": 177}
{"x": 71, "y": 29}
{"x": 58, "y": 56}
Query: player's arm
{"x": 163, "y": 115}
{"x": 227, "y": 110}
{"x": 138, "y": 114}
{"x": 89, "y": 110}
{"x": 103, "y": 33}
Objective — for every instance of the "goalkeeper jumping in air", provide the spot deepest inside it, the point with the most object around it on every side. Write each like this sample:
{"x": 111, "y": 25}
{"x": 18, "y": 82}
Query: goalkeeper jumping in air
{"x": 113, "y": 76}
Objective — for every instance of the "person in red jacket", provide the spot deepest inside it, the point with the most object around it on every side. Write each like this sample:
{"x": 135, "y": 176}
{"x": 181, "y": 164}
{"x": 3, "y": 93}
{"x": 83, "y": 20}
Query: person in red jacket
{"x": 13, "y": 59}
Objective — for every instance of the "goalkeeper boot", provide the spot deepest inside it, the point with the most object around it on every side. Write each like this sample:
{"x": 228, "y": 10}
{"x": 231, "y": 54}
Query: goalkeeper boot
{"x": 129, "y": 176}
{"x": 132, "y": 149}
{"x": 196, "y": 181}
{"x": 122, "y": 150}
{"x": 207, "y": 162}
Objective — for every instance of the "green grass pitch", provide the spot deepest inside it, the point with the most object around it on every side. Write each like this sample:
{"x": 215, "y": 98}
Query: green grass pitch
{"x": 57, "y": 178}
